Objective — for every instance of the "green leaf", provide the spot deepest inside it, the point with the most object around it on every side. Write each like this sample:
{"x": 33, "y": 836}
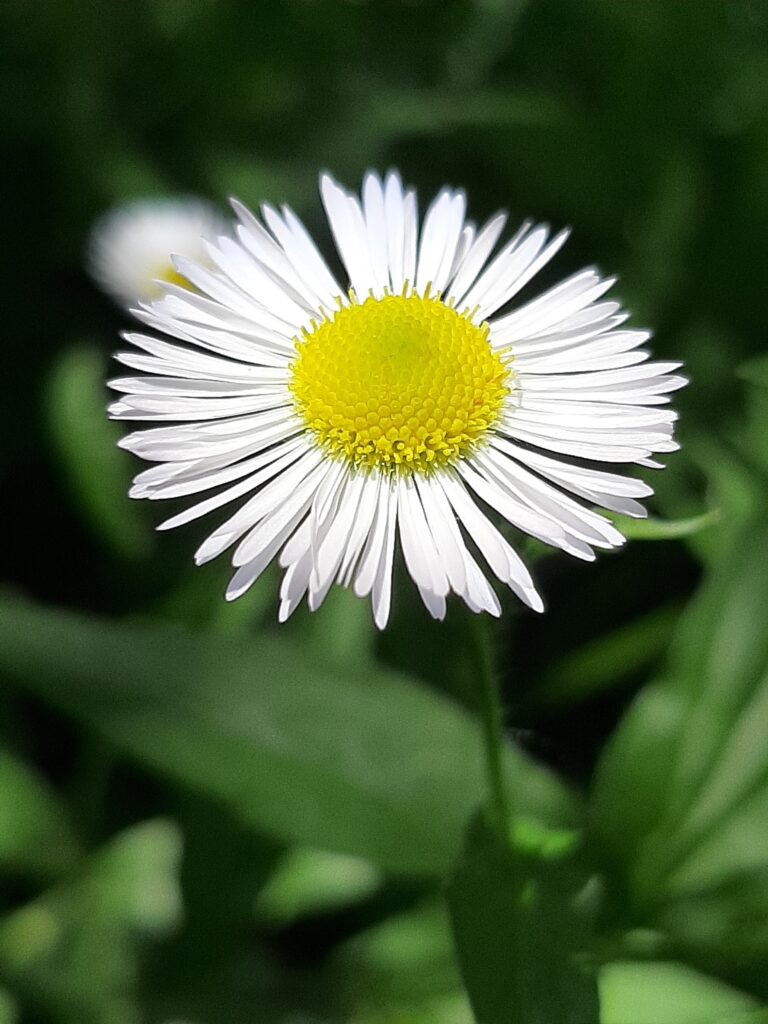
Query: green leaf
{"x": 666, "y": 529}
{"x": 755, "y": 371}
{"x": 445, "y": 1009}
{"x": 609, "y": 659}
{"x": 74, "y": 948}
{"x": 518, "y": 927}
{"x": 681, "y": 797}
{"x": 313, "y": 881}
{"x": 345, "y": 635}
{"x": 98, "y": 474}
{"x": 384, "y": 114}
{"x": 735, "y": 488}
{"x": 670, "y": 993}
{"x": 406, "y": 961}
{"x": 35, "y": 833}
{"x": 356, "y": 761}
{"x": 8, "y": 1009}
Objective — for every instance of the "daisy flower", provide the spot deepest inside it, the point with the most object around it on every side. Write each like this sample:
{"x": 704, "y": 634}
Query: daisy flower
{"x": 129, "y": 250}
{"x": 416, "y": 403}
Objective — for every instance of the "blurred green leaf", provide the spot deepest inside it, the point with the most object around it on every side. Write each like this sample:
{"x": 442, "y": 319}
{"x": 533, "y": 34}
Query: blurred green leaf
{"x": 670, "y": 993}
{"x": 35, "y": 833}
{"x": 345, "y": 635}
{"x": 406, "y": 961}
{"x": 662, "y": 231}
{"x": 8, "y": 1009}
{"x": 736, "y": 489}
{"x": 447, "y": 1009}
{"x": 518, "y": 928}
{"x": 97, "y": 473}
{"x": 681, "y": 796}
{"x": 387, "y": 114}
{"x": 755, "y": 371}
{"x": 609, "y": 659}
{"x": 754, "y": 440}
{"x": 196, "y": 601}
{"x": 490, "y": 27}
{"x": 364, "y": 763}
{"x": 666, "y": 529}
{"x": 307, "y": 882}
{"x": 74, "y": 948}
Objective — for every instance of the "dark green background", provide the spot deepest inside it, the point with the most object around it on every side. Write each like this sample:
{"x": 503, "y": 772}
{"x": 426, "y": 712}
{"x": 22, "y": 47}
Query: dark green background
{"x": 643, "y": 124}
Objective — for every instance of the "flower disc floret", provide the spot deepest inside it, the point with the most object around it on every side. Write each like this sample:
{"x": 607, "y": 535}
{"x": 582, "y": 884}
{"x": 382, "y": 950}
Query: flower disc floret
{"x": 400, "y": 383}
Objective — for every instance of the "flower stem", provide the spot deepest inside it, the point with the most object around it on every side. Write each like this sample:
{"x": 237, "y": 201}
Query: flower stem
{"x": 491, "y": 716}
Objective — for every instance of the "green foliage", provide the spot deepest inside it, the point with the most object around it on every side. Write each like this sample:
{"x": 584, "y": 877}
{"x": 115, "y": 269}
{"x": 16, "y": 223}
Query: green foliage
{"x": 688, "y": 833}
{"x": 519, "y": 923}
{"x": 293, "y": 746}
{"x": 673, "y": 529}
{"x": 668, "y": 993}
{"x": 35, "y": 834}
{"x": 310, "y": 881}
{"x": 73, "y": 949}
{"x": 85, "y": 440}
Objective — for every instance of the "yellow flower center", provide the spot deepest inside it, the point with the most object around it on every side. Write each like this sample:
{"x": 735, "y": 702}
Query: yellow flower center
{"x": 401, "y": 383}
{"x": 167, "y": 273}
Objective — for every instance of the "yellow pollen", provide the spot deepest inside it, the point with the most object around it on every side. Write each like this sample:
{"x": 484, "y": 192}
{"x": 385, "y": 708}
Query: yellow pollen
{"x": 399, "y": 384}
{"x": 170, "y": 275}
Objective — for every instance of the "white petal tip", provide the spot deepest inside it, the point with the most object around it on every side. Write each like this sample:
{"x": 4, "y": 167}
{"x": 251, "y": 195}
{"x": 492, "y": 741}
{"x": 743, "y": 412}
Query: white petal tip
{"x": 381, "y": 620}
{"x": 210, "y": 548}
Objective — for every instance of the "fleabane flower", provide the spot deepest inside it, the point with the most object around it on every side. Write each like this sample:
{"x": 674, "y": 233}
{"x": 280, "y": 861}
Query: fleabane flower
{"x": 415, "y": 404}
{"x": 130, "y": 246}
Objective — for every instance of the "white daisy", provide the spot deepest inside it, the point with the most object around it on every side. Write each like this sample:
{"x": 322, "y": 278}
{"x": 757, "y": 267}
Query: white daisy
{"x": 130, "y": 246}
{"x": 416, "y": 404}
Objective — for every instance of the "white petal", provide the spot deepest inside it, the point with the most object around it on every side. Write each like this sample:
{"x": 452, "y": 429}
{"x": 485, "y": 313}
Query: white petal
{"x": 376, "y": 226}
{"x": 500, "y": 556}
{"x": 475, "y": 258}
{"x": 410, "y": 237}
{"x": 439, "y": 237}
{"x": 419, "y": 551}
{"x": 361, "y": 527}
{"x": 445, "y": 532}
{"x": 350, "y": 234}
{"x": 553, "y": 308}
{"x": 381, "y": 592}
{"x": 394, "y": 212}
{"x": 298, "y": 479}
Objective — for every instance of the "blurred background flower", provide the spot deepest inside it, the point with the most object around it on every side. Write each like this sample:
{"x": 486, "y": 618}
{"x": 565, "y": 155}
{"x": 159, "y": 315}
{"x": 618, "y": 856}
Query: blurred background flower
{"x": 166, "y": 758}
{"x": 131, "y": 247}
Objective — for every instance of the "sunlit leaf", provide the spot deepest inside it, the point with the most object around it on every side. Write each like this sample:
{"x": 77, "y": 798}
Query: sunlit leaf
{"x": 312, "y": 881}
{"x": 669, "y": 993}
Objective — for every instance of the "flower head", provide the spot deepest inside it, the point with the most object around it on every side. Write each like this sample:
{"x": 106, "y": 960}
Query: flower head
{"x": 416, "y": 403}
{"x": 130, "y": 247}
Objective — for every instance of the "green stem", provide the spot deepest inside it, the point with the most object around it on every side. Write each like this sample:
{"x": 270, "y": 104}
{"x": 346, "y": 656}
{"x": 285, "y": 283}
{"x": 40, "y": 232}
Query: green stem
{"x": 491, "y": 716}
